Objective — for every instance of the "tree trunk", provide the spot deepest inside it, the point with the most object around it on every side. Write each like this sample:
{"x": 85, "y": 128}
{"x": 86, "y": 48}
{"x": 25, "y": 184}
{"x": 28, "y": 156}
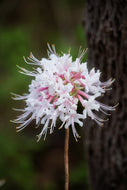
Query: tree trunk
{"x": 105, "y": 24}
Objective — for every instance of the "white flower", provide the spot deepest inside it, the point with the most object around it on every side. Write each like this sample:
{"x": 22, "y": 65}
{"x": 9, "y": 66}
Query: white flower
{"x": 58, "y": 86}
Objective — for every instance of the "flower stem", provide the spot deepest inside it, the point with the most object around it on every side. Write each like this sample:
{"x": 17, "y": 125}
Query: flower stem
{"x": 66, "y": 163}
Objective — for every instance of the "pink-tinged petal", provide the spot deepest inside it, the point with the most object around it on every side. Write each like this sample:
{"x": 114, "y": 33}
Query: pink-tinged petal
{"x": 76, "y": 76}
{"x": 80, "y": 99}
{"x": 50, "y": 98}
{"x": 40, "y": 99}
{"x": 83, "y": 94}
{"x": 42, "y": 89}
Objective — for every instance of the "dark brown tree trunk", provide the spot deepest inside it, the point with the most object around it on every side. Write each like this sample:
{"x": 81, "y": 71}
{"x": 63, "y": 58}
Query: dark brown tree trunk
{"x": 105, "y": 24}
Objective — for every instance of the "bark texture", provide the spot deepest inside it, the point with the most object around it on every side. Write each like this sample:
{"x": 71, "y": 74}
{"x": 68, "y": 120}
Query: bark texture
{"x": 105, "y": 23}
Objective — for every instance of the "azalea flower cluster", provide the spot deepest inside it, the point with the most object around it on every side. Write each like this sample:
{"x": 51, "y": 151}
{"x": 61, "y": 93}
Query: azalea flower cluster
{"x": 59, "y": 86}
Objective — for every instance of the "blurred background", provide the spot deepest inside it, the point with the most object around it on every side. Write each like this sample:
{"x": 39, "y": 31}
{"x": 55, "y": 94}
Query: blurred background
{"x": 26, "y": 26}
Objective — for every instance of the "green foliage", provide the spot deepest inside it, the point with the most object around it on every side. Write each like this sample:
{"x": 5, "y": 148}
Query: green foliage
{"x": 50, "y": 186}
{"x": 79, "y": 174}
{"x": 16, "y": 164}
{"x": 14, "y": 44}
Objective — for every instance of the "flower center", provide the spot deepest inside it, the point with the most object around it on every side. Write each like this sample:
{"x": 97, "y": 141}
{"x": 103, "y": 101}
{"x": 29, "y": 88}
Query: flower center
{"x": 75, "y": 81}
